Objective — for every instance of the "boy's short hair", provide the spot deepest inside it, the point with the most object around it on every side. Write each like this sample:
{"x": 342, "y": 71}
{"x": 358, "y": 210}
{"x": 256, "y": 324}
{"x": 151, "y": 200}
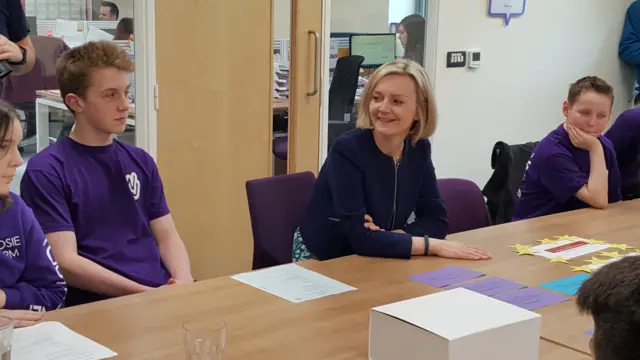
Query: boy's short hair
{"x": 113, "y": 8}
{"x": 589, "y": 83}
{"x": 75, "y": 66}
{"x": 612, "y": 296}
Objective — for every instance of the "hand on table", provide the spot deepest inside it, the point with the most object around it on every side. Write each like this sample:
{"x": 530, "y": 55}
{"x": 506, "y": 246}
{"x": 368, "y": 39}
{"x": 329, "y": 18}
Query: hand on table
{"x": 456, "y": 250}
{"x": 23, "y": 318}
{"x": 368, "y": 223}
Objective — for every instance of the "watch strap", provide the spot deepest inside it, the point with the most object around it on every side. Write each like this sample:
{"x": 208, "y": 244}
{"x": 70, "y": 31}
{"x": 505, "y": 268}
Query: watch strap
{"x": 426, "y": 245}
{"x": 24, "y": 57}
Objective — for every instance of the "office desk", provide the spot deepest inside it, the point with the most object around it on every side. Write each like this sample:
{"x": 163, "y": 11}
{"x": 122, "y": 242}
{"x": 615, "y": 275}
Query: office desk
{"x": 51, "y": 99}
{"x": 262, "y": 326}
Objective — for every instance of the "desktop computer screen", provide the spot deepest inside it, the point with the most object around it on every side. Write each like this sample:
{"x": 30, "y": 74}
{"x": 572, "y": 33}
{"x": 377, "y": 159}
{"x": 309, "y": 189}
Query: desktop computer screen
{"x": 377, "y": 49}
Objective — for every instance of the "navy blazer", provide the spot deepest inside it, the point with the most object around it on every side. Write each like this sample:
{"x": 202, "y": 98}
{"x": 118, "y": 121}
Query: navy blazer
{"x": 357, "y": 179}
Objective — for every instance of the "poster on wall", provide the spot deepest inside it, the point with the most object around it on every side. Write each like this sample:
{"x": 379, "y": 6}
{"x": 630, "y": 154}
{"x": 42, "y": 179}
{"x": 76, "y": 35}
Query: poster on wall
{"x": 506, "y": 9}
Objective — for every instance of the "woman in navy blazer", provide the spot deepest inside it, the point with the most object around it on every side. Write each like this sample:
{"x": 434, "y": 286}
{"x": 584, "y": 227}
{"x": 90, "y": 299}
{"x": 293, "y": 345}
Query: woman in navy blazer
{"x": 377, "y": 175}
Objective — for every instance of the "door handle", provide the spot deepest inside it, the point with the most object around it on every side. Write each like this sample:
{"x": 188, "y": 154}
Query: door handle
{"x": 316, "y": 70}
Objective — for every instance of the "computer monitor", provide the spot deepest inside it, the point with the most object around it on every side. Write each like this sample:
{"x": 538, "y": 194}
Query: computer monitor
{"x": 377, "y": 49}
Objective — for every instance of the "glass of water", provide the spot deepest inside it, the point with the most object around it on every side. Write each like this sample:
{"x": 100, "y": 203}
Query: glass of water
{"x": 6, "y": 337}
{"x": 204, "y": 340}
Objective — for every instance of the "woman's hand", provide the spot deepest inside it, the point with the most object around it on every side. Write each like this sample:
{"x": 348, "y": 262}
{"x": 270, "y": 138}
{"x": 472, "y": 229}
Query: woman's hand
{"x": 23, "y": 318}
{"x": 456, "y": 250}
{"x": 368, "y": 223}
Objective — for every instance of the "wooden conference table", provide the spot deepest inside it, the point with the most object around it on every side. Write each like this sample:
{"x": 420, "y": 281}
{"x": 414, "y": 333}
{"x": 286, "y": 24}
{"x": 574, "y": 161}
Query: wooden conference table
{"x": 263, "y": 326}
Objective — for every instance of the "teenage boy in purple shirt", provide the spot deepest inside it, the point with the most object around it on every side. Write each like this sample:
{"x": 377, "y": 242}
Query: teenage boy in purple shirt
{"x": 624, "y": 134}
{"x": 100, "y": 201}
{"x": 574, "y": 166}
{"x": 29, "y": 276}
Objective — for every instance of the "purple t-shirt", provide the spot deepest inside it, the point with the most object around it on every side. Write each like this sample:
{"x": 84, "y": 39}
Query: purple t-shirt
{"x": 555, "y": 172}
{"x": 30, "y": 276}
{"x": 107, "y": 196}
{"x": 624, "y": 134}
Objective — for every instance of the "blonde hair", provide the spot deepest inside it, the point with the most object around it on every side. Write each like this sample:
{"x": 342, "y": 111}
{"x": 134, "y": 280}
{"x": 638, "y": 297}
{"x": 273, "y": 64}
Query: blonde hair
{"x": 426, "y": 103}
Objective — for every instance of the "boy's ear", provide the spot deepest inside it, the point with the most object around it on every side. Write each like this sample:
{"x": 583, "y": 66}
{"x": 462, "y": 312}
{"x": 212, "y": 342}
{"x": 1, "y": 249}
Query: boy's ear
{"x": 74, "y": 102}
{"x": 593, "y": 354}
{"x": 565, "y": 108}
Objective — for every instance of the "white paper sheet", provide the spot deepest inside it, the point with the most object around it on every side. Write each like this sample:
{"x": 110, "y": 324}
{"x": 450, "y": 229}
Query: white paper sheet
{"x": 54, "y": 341}
{"x": 294, "y": 283}
{"x": 568, "y": 249}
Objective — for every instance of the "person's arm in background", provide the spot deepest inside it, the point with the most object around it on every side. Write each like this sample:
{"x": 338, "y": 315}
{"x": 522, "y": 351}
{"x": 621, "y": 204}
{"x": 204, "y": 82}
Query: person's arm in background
{"x": 431, "y": 215}
{"x": 629, "y": 46}
{"x": 18, "y": 35}
{"x": 44, "y": 193}
{"x": 614, "y": 181}
{"x": 41, "y": 286}
{"x": 172, "y": 249}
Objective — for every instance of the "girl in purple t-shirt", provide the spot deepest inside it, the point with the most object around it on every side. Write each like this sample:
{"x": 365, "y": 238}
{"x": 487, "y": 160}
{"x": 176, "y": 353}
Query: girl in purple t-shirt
{"x": 29, "y": 275}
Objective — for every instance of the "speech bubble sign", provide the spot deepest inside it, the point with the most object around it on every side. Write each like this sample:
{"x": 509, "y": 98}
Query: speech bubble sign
{"x": 506, "y": 9}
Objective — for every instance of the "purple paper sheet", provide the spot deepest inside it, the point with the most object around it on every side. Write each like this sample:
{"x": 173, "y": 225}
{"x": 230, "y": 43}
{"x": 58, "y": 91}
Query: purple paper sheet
{"x": 490, "y": 286}
{"x": 532, "y": 298}
{"x": 446, "y": 276}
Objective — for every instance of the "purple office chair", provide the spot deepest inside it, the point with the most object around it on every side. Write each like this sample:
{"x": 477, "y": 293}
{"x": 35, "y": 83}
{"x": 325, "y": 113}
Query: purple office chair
{"x": 465, "y": 205}
{"x": 276, "y": 206}
{"x": 281, "y": 147}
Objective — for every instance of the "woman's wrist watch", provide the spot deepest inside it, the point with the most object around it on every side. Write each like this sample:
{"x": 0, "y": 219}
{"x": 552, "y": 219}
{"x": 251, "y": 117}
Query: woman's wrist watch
{"x": 426, "y": 245}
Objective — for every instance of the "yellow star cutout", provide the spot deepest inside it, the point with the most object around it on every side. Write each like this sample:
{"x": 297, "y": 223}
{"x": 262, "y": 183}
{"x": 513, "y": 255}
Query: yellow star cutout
{"x": 622, "y": 247}
{"x": 584, "y": 268}
{"x": 596, "y": 261}
{"x": 559, "y": 260}
{"x": 564, "y": 237}
{"x": 525, "y": 252}
{"x": 548, "y": 241}
{"x": 596, "y": 242}
{"x": 613, "y": 255}
{"x": 519, "y": 247}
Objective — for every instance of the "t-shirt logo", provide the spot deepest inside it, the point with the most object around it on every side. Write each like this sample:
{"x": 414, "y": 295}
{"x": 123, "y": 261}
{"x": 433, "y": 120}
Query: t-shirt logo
{"x": 134, "y": 185}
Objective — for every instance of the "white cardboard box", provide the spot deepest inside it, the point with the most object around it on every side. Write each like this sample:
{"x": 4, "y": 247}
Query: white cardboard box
{"x": 456, "y": 324}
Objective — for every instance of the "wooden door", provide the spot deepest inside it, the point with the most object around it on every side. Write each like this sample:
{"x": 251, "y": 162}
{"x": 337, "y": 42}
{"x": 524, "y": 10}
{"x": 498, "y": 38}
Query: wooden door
{"x": 306, "y": 84}
{"x": 215, "y": 77}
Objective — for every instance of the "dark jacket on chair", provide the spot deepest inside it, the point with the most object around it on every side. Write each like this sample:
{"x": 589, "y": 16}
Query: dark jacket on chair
{"x": 508, "y": 163}
{"x": 358, "y": 179}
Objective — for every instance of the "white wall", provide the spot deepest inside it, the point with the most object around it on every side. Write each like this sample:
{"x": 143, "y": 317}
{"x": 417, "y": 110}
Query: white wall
{"x": 370, "y": 16}
{"x": 516, "y": 94}
{"x": 398, "y": 9}
{"x": 282, "y": 19}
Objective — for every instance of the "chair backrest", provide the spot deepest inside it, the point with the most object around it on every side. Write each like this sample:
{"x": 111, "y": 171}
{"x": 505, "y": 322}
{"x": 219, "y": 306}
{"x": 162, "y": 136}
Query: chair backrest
{"x": 276, "y": 207}
{"x": 465, "y": 205}
{"x": 22, "y": 88}
{"x": 342, "y": 92}
{"x": 509, "y": 163}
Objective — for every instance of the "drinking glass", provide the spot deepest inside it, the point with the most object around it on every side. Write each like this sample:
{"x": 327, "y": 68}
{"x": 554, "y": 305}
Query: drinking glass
{"x": 6, "y": 337}
{"x": 204, "y": 340}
